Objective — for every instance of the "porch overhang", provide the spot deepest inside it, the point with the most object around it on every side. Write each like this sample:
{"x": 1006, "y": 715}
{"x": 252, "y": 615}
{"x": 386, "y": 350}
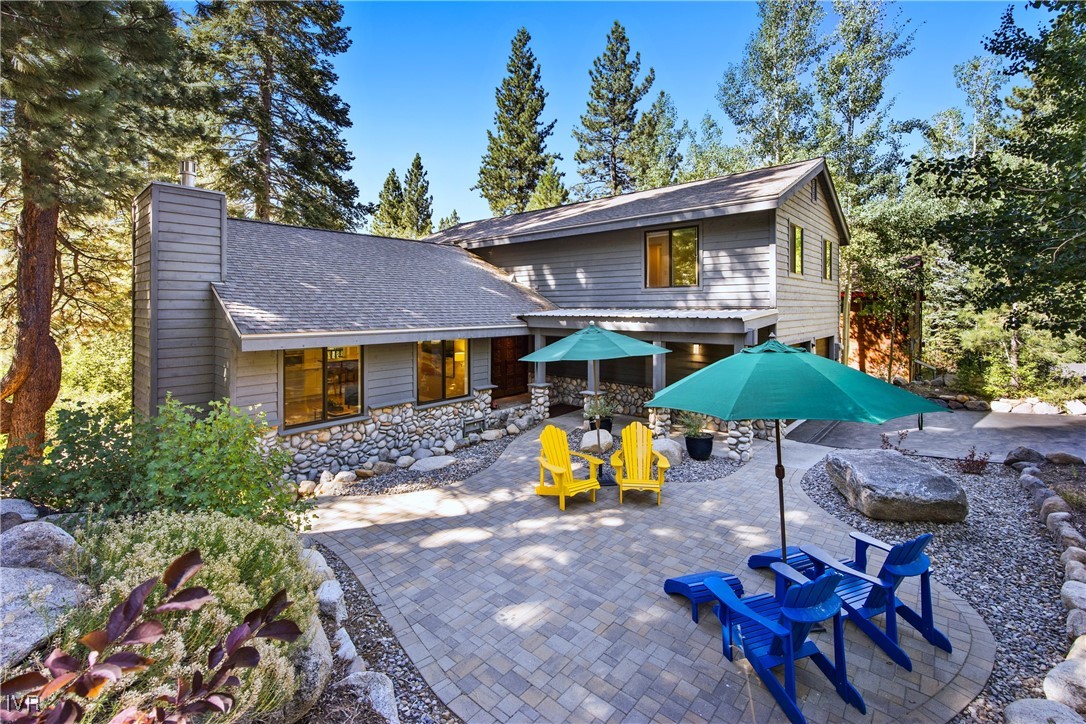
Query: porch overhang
{"x": 711, "y": 326}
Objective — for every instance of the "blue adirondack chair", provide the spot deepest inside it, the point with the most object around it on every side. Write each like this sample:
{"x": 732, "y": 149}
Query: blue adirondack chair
{"x": 773, "y": 632}
{"x": 865, "y": 596}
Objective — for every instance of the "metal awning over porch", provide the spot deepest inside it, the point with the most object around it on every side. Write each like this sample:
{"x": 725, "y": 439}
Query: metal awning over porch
{"x": 660, "y": 326}
{"x": 722, "y": 326}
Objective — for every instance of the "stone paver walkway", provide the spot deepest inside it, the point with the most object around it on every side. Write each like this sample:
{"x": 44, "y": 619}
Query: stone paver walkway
{"x": 515, "y": 611}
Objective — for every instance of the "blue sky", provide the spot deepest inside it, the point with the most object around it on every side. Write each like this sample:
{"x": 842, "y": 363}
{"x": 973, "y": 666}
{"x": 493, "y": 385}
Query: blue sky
{"x": 420, "y": 77}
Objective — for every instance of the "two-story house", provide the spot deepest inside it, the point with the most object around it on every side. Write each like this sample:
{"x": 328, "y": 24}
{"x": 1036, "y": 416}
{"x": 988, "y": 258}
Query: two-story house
{"x": 360, "y": 348}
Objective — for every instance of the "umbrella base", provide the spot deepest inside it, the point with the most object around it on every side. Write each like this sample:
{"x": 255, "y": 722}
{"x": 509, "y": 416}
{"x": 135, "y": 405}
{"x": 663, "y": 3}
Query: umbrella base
{"x": 796, "y": 558}
{"x": 607, "y": 480}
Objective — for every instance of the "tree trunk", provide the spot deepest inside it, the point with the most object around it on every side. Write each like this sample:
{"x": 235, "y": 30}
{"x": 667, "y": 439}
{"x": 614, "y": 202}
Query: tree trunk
{"x": 263, "y": 142}
{"x": 33, "y": 380}
{"x": 1012, "y": 360}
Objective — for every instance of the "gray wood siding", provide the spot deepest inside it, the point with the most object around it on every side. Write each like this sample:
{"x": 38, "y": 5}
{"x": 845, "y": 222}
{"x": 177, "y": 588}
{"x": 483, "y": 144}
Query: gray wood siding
{"x": 389, "y": 374}
{"x": 256, "y": 382}
{"x": 608, "y": 269}
{"x": 225, "y": 356}
{"x": 808, "y": 304}
{"x": 189, "y": 229}
{"x": 480, "y": 362}
{"x": 142, "y": 316}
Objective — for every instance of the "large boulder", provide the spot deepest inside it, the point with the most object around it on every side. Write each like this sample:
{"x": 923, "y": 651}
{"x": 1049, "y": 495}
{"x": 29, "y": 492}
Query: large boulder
{"x": 597, "y": 441}
{"x": 1066, "y": 683}
{"x": 886, "y": 485}
{"x": 1073, "y": 595}
{"x": 1063, "y": 458}
{"x": 377, "y": 689}
{"x": 1024, "y": 455}
{"x": 670, "y": 449}
{"x": 36, "y": 544}
{"x": 430, "y": 464}
{"x": 1032, "y": 711}
{"x": 24, "y": 508}
{"x": 331, "y": 602}
{"x": 31, "y": 602}
{"x": 312, "y": 668}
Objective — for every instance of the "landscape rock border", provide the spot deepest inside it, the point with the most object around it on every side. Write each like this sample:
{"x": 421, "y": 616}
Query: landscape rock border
{"x": 1065, "y": 684}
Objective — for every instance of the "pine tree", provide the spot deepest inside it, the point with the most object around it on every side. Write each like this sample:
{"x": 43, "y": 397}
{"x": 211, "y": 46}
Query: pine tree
{"x": 516, "y": 150}
{"x": 604, "y": 135}
{"x": 388, "y": 218}
{"x": 283, "y": 156}
{"x": 448, "y": 222}
{"x": 87, "y": 98}
{"x": 550, "y": 191}
{"x": 766, "y": 96}
{"x": 418, "y": 214}
{"x": 654, "y": 151}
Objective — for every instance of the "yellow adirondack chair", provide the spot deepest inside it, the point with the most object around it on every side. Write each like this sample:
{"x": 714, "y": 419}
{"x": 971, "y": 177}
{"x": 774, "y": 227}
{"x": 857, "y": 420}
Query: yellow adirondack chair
{"x": 633, "y": 463}
{"x": 556, "y": 461}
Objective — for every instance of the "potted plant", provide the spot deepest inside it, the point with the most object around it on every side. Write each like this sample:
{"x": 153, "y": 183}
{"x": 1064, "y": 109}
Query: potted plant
{"x": 598, "y": 412}
{"x": 699, "y": 443}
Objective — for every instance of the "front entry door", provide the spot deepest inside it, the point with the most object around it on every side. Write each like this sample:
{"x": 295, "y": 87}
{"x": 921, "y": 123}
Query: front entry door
{"x": 506, "y": 370}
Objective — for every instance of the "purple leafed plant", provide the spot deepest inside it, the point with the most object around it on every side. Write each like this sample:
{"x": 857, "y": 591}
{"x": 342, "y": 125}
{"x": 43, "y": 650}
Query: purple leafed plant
{"x": 973, "y": 464}
{"x": 68, "y": 679}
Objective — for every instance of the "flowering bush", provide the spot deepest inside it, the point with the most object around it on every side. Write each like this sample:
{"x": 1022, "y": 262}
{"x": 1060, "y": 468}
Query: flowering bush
{"x": 246, "y": 564}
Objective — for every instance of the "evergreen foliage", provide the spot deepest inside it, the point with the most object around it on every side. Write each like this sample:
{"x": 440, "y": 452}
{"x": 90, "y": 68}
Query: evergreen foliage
{"x": 550, "y": 191}
{"x": 418, "y": 214}
{"x": 654, "y": 149}
{"x": 516, "y": 152}
{"x": 388, "y": 218}
{"x": 281, "y": 154}
{"x": 767, "y": 96}
{"x": 405, "y": 209}
{"x": 1023, "y": 209}
{"x": 448, "y": 222}
{"x": 89, "y": 91}
{"x": 605, "y": 134}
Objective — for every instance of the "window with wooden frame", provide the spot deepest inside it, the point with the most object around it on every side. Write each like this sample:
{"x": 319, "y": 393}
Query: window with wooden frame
{"x": 442, "y": 369}
{"x": 671, "y": 258}
{"x": 321, "y": 385}
{"x": 795, "y": 250}
{"x": 827, "y": 259}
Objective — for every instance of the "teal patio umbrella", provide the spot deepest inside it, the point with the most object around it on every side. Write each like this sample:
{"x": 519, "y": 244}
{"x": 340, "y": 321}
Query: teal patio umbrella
{"x": 774, "y": 381}
{"x": 592, "y": 344}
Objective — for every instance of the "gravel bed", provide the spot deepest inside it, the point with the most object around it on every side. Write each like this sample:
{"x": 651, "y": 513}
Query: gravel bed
{"x": 689, "y": 471}
{"x": 376, "y": 643}
{"x": 1001, "y": 560}
{"x": 469, "y": 461}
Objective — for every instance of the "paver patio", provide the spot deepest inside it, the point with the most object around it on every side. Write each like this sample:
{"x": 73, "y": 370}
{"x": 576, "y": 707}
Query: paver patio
{"x": 515, "y": 611}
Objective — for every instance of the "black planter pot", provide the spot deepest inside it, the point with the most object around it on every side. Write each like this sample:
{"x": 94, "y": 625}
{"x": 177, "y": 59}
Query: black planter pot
{"x": 605, "y": 424}
{"x": 699, "y": 448}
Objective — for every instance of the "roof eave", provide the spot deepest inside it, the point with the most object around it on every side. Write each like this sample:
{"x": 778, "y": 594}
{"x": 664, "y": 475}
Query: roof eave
{"x": 693, "y": 214}
{"x": 301, "y": 340}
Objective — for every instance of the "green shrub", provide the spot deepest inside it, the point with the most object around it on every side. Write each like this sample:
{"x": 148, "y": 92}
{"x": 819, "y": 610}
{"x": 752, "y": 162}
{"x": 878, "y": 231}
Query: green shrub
{"x": 245, "y": 564}
{"x": 184, "y": 459}
{"x": 693, "y": 424}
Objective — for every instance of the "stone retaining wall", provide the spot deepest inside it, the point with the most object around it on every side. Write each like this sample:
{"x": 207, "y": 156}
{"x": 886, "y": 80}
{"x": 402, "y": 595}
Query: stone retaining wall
{"x": 388, "y": 433}
{"x": 1065, "y": 684}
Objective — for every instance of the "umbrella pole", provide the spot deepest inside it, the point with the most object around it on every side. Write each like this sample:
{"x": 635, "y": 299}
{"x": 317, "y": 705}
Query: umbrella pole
{"x": 779, "y": 470}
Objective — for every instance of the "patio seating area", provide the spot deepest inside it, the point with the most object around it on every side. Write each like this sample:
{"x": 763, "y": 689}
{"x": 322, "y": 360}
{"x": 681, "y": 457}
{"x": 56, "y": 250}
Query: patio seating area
{"x": 516, "y": 610}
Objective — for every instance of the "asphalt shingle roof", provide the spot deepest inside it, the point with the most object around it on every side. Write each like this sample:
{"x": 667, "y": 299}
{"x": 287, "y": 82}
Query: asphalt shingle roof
{"x": 765, "y": 185}
{"x": 287, "y": 279}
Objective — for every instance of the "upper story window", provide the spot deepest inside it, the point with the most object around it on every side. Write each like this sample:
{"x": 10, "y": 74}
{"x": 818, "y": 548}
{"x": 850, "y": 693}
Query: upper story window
{"x": 827, "y": 259}
{"x": 795, "y": 251}
{"x": 442, "y": 369}
{"x": 671, "y": 258}
{"x": 321, "y": 384}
